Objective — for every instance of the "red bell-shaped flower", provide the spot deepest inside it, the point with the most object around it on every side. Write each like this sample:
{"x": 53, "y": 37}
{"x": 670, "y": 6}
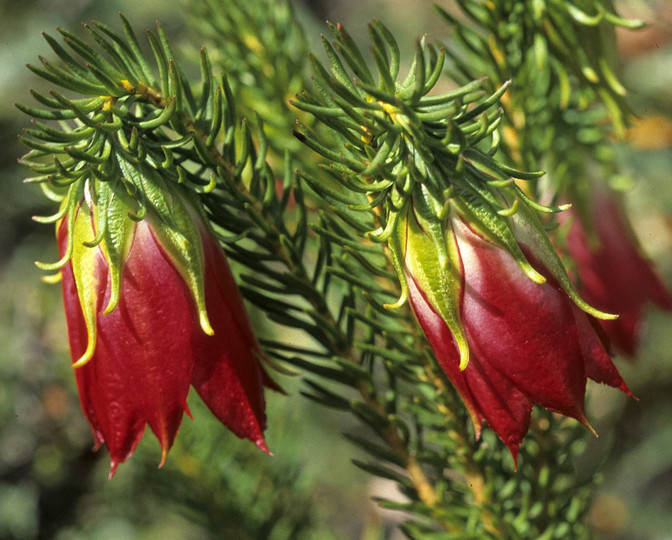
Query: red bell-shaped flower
{"x": 507, "y": 334}
{"x": 611, "y": 272}
{"x": 152, "y": 309}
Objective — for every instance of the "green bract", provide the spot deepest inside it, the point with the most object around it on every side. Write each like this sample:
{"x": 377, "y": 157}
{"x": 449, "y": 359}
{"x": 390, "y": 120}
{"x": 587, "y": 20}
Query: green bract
{"x": 429, "y": 256}
{"x": 103, "y": 222}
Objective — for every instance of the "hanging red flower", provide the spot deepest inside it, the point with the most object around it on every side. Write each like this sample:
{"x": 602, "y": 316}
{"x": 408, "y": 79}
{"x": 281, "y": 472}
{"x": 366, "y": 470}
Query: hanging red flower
{"x": 153, "y": 309}
{"x": 503, "y": 327}
{"x": 611, "y": 272}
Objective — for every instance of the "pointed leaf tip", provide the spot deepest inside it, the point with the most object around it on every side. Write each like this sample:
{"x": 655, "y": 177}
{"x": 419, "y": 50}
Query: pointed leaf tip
{"x": 205, "y": 323}
{"x": 534, "y": 275}
{"x": 113, "y": 469}
{"x": 463, "y": 347}
{"x": 400, "y": 301}
{"x": 164, "y": 455}
{"x": 88, "y": 354}
{"x": 261, "y": 444}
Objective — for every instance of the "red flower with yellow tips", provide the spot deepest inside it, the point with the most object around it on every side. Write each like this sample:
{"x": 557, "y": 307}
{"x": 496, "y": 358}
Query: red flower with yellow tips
{"x": 153, "y": 309}
{"x": 501, "y": 316}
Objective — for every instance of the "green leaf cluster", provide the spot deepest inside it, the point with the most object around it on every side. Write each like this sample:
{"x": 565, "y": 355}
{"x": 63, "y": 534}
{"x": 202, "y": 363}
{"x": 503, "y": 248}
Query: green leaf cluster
{"x": 561, "y": 54}
{"x": 262, "y": 48}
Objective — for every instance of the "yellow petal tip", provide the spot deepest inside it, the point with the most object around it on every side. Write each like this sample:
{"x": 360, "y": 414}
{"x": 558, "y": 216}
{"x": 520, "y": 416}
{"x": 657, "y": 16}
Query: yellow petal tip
{"x": 164, "y": 455}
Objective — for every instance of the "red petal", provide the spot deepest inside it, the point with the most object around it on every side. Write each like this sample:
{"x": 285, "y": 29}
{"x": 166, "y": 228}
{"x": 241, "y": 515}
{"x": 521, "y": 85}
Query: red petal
{"x": 141, "y": 369}
{"x": 486, "y": 394}
{"x": 443, "y": 344}
{"x": 155, "y": 322}
{"x": 599, "y": 366}
{"x": 227, "y": 374}
{"x": 524, "y": 330}
{"x": 94, "y": 390}
{"x": 506, "y": 409}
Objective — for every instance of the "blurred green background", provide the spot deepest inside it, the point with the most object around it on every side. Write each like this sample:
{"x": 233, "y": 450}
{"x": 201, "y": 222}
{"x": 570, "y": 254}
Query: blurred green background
{"x": 213, "y": 485}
